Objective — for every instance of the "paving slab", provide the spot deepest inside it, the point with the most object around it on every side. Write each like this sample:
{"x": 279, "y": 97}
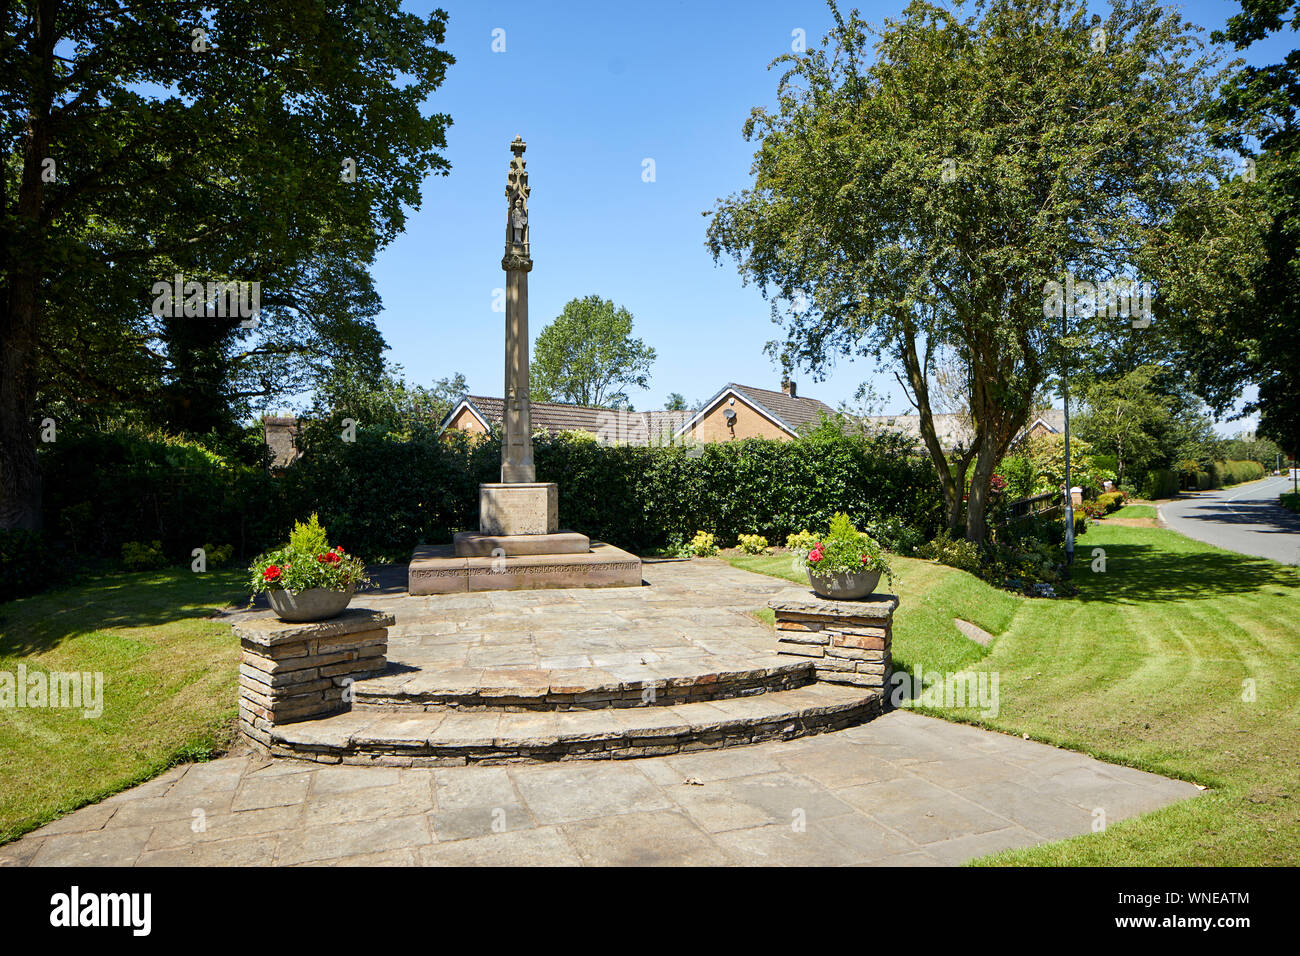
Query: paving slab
{"x": 903, "y": 789}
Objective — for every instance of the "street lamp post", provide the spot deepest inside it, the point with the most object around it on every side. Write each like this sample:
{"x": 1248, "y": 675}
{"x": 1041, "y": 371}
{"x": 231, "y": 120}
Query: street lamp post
{"x": 1065, "y": 395}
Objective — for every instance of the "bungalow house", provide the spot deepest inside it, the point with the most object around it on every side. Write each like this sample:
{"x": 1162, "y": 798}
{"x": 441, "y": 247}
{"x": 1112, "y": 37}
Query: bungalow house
{"x": 478, "y": 414}
{"x": 743, "y": 411}
{"x": 954, "y": 430}
{"x": 734, "y": 412}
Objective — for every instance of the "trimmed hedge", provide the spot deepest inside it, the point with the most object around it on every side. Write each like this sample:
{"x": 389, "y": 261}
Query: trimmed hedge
{"x": 105, "y": 489}
{"x": 382, "y": 497}
{"x": 1160, "y": 483}
{"x": 379, "y": 496}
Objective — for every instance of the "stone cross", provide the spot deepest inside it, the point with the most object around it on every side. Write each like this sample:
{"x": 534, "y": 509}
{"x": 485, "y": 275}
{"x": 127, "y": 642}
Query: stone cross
{"x": 517, "y": 448}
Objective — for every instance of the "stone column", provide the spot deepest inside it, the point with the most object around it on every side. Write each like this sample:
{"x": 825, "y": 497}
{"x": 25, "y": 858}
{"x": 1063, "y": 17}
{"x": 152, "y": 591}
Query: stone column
{"x": 517, "y": 447}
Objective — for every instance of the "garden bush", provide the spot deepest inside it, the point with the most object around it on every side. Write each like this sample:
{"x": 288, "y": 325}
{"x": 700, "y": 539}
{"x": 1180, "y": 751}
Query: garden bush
{"x": 1160, "y": 483}
{"x": 28, "y": 564}
{"x": 143, "y": 556}
{"x": 752, "y": 544}
{"x": 382, "y": 494}
{"x": 105, "y": 489}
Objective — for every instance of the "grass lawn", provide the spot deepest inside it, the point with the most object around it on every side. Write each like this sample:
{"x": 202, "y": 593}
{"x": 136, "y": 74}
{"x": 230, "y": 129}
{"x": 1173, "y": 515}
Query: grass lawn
{"x": 1136, "y": 511}
{"x": 1145, "y": 667}
{"x": 170, "y": 678}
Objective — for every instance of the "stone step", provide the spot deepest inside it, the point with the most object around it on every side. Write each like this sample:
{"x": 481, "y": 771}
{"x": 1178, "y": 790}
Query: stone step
{"x": 709, "y": 677}
{"x": 446, "y": 738}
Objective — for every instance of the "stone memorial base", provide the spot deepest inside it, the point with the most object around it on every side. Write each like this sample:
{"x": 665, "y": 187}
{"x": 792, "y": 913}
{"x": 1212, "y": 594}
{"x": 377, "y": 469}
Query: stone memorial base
{"x": 470, "y": 544}
{"x": 848, "y": 641}
{"x": 520, "y": 508}
{"x": 440, "y": 569}
{"x": 290, "y": 672}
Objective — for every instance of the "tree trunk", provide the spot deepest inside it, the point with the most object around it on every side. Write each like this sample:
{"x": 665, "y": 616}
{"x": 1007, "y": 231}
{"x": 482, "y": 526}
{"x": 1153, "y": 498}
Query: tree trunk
{"x": 20, "y": 477}
{"x": 977, "y": 507}
{"x": 20, "y": 307}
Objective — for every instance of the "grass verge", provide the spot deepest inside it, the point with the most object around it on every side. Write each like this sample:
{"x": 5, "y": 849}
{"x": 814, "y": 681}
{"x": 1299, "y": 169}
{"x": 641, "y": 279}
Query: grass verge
{"x": 170, "y": 677}
{"x": 1179, "y": 658}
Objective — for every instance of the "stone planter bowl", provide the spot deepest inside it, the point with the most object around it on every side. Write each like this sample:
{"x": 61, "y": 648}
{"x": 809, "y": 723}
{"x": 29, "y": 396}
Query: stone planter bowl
{"x": 316, "y": 604}
{"x": 848, "y": 586}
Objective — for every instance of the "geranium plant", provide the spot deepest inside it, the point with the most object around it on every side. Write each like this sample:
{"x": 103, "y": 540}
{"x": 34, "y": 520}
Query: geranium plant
{"x": 307, "y": 562}
{"x": 845, "y": 550}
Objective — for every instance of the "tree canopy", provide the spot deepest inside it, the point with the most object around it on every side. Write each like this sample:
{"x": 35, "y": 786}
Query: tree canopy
{"x": 1252, "y": 335}
{"x": 278, "y": 142}
{"x": 921, "y": 199}
{"x": 588, "y": 356}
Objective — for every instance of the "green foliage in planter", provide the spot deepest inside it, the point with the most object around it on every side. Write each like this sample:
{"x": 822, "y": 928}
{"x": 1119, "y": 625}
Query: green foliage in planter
{"x": 843, "y": 549}
{"x": 306, "y": 562}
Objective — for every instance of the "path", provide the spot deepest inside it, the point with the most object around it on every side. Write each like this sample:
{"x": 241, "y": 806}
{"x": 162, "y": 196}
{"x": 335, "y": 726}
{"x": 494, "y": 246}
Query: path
{"x": 901, "y": 790}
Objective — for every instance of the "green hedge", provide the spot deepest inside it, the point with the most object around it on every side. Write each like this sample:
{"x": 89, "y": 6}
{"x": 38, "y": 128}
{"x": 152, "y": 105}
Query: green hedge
{"x": 1160, "y": 483}
{"x": 381, "y": 497}
{"x": 104, "y": 490}
{"x": 1225, "y": 473}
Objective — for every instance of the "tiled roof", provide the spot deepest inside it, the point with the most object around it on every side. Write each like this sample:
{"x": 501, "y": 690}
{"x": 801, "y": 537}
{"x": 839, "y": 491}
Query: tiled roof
{"x": 952, "y": 430}
{"x": 795, "y": 412}
{"x": 611, "y": 426}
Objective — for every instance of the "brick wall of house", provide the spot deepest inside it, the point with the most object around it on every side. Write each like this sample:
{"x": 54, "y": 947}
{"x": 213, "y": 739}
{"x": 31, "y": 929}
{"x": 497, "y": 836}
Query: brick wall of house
{"x": 712, "y": 427}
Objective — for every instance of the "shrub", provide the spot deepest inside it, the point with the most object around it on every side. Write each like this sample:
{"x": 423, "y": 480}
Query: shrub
{"x": 1160, "y": 483}
{"x": 105, "y": 489}
{"x": 28, "y": 564}
{"x": 141, "y": 556}
{"x": 752, "y": 544}
{"x": 217, "y": 555}
{"x": 801, "y": 541}
{"x": 896, "y": 535}
{"x": 954, "y": 552}
{"x": 1110, "y": 502}
{"x": 383, "y": 493}
{"x": 703, "y": 545}
{"x": 1290, "y": 500}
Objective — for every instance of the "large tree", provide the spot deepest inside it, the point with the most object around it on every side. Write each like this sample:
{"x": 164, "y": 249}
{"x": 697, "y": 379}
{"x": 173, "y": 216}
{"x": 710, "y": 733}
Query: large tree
{"x": 277, "y": 141}
{"x": 1253, "y": 337}
{"x": 922, "y": 199}
{"x": 588, "y": 356}
{"x": 1124, "y": 417}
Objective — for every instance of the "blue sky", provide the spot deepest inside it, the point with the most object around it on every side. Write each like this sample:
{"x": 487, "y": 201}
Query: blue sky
{"x": 596, "y": 89}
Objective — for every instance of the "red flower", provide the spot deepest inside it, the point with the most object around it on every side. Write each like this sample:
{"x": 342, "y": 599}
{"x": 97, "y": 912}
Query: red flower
{"x": 815, "y": 556}
{"x": 329, "y": 557}
{"x": 864, "y": 559}
{"x": 272, "y": 573}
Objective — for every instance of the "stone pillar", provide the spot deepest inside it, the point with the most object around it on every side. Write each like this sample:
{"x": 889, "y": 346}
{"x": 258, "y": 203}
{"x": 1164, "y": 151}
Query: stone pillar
{"x": 849, "y": 641}
{"x": 290, "y": 672}
{"x": 517, "y": 446}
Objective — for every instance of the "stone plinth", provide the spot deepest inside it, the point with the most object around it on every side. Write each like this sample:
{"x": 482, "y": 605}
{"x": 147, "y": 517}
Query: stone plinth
{"x": 291, "y": 671}
{"x": 848, "y": 641}
{"x": 437, "y": 569}
{"x": 470, "y": 544}
{"x": 521, "y": 508}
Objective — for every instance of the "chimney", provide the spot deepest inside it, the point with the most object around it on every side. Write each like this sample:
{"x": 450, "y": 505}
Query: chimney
{"x": 788, "y": 387}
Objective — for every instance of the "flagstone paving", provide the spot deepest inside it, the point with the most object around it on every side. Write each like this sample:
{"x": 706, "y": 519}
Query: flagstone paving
{"x": 903, "y": 790}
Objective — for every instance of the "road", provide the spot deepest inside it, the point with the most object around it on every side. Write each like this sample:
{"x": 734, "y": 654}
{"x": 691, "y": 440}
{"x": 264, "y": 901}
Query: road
{"x": 1245, "y": 518}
